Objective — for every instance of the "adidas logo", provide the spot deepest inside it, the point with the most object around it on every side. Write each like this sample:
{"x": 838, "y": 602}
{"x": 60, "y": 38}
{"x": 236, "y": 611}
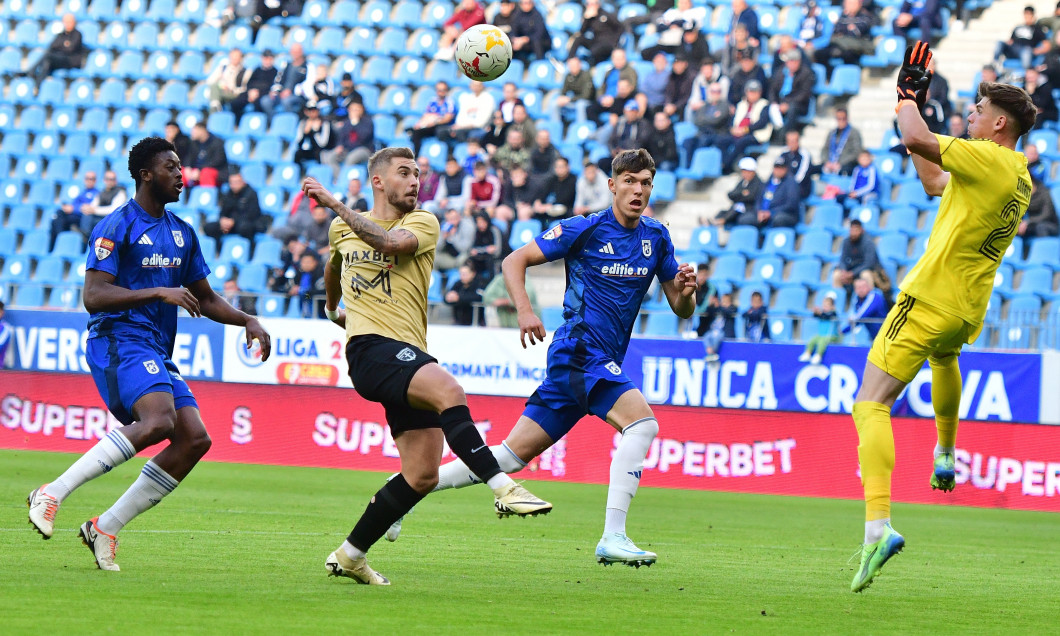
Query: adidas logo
{"x": 145, "y": 240}
{"x": 607, "y": 249}
{"x": 635, "y": 473}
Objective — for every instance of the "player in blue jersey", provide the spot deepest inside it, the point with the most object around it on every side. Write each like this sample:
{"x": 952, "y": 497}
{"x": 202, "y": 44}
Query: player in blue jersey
{"x": 611, "y": 259}
{"x": 143, "y": 263}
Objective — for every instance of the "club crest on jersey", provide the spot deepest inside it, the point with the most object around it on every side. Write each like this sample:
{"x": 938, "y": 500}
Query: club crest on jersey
{"x": 178, "y": 238}
{"x": 104, "y": 248}
{"x": 554, "y": 233}
{"x": 645, "y": 247}
{"x": 151, "y": 366}
{"x": 613, "y": 368}
{"x": 406, "y": 355}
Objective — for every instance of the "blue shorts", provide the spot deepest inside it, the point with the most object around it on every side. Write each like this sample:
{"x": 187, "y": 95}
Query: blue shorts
{"x": 581, "y": 381}
{"x": 125, "y": 370}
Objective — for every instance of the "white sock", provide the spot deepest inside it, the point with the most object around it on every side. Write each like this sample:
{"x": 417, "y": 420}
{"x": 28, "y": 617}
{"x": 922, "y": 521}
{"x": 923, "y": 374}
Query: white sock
{"x": 941, "y": 450}
{"x": 874, "y": 530}
{"x": 112, "y": 450}
{"x": 352, "y": 552}
{"x": 456, "y": 474}
{"x": 626, "y": 466}
{"x": 146, "y": 492}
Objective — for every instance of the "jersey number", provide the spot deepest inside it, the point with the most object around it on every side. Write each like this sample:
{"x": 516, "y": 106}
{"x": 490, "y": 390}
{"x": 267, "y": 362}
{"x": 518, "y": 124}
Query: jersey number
{"x": 381, "y": 280}
{"x": 1010, "y": 216}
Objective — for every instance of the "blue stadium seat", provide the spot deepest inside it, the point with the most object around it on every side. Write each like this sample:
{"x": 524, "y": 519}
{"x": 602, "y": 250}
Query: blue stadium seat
{"x": 8, "y": 238}
{"x": 7, "y": 116}
{"x": 11, "y": 191}
{"x": 1039, "y": 281}
{"x": 730, "y": 267}
{"x": 95, "y": 120}
{"x": 890, "y": 50}
{"x": 78, "y": 144}
{"x": 253, "y": 278}
{"x": 818, "y": 243}
{"x": 271, "y": 305}
{"x": 64, "y": 297}
{"x": 189, "y": 67}
{"x": 155, "y": 121}
{"x": 376, "y": 12}
{"x": 235, "y": 249}
{"x": 1045, "y": 251}
{"x": 10, "y": 61}
{"x": 126, "y": 120}
{"x": 1014, "y": 253}
{"x": 396, "y": 100}
{"x": 269, "y": 37}
{"x": 436, "y": 152}
{"x": 27, "y": 34}
{"x": 779, "y": 240}
{"x": 523, "y": 232}
{"x": 46, "y": 143}
{"x": 208, "y": 38}
{"x": 17, "y": 268}
{"x": 331, "y": 41}
{"x": 791, "y": 300}
{"x": 903, "y": 219}
{"x": 269, "y": 150}
{"x": 743, "y": 239}
{"x": 253, "y": 125}
{"x": 44, "y": 9}
{"x": 81, "y": 93}
{"x": 162, "y": 10}
{"x": 254, "y": 173}
{"x": 51, "y": 92}
{"x": 541, "y": 74}
{"x": 50, "y": 270}
{"x": 661, "y": 324}
{"x": 743, "y": 299}
{"x": 768, "y": 269}
{"x": 110, "y": 144}
{"x": 911, "y": 193}
{"x": 393, "y": 42}
{"x": 115, "y": 35}
{"x": 236, "y": 148}
{"x": 64, "y": 119}
{"x": 377, "y": 70}
{"x": 434, "y": 288}
{"x": 665, "y": 186}
{"x": 203, "y": 197}
{"x": 21, "y": 91}
{"x": 893, "y": 247}
{"x": 805, "y": 272}
{"x": 238, "y": 36}
{"x": 111, "y": 93}
{"x": 191, "y": 216}
{"x": 41, "y": 191}
{"x": 284, "y": 126}
{"x": 1003, "y": 281}
{"x": 130, "y": 64}
{"x": 826, "y": 216}
{"x": 220, "y": 271}
{"x": 1024, "y": 318}
{"x": 159, "y": 66}
{"x": 286, "y": 175}
{"x": 69, "y": 246}
{"x": 221, "y": 123}
{"x": 436, "y": 12}
{"x": 29, "y": 295}
{"x": 267, "y": 252}
{"x": 31, "y": 119}
{"x": 35, "y": 243}
{"x": 92, "y": 164}
{"x": 705, "y": 164}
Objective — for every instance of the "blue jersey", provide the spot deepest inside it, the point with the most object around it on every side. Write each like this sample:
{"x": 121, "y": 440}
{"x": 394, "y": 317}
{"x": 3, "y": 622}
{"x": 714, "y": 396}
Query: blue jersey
{"x": 143, "y": 252}
{"x": 609, "y": 269}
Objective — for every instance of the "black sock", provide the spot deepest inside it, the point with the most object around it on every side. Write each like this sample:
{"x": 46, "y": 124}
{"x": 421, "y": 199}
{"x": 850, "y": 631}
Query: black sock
{"x": 388, "y": 505}
{"x": 465, "y": 440}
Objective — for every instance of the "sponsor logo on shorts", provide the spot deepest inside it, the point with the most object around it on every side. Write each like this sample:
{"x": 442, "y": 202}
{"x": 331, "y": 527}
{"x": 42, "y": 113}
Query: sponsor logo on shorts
{"x": 178, "y": 238}
{"x": 406, "y": 355}
{"x": 151, "y": 366}
{"x": 104, "y": 248}
{"x": 613, "y": 368}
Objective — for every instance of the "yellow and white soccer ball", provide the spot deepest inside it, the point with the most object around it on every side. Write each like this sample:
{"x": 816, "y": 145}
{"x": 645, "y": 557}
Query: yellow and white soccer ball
{"x": 483, "y": 52}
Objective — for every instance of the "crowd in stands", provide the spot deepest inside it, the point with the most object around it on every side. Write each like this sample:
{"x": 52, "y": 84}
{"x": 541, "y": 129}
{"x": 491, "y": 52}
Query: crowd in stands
{"x": 708, "y": 89}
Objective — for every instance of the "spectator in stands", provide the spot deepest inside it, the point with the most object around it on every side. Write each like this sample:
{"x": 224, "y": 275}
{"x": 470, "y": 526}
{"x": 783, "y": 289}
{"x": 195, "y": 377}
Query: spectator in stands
{"x": 521, "y": 121}
{"x": 308, "y": 219}
{"x": 316, "y": 230}
{"x": 208, "y": 164}
{"x": 756, "y": 320}
{"x": 712, "y": 119}
{"x": 314, "y": 137}
{"x": 440, "y": 113}
{"x": 744, "y": 16}
{"x": 509, "y": 100}
{"x": 269, "y": 9}
{"x": 280, "y": 277}
{"x": 496, "y": 295}
{"x": 790, "y": 91}
{"x": 661, "y": 143}
{"x": 1051, "y": 67}
{"x": 518, "y": 196}
{"x": 233, "y": 295}
{"x": 281, "y": 96}
{"x": 918, "y": 14}
{"x": 1051, "y": 23}
{"x": 864, "y": 184}
{"x": 576, "y": 93}
{"x": 543, "y": 156}
{"x": 1034, "y": 162}
{"x": 451, "y": 187}
{"x": 747, "y": 70}
{"x": 307, "y": 283}
{"x": 347, "y": 95}
{"x": 530, "y": 37}
{"x": 785, "y": 44}
{"x": 709, "y": 74}
{"x": 430, "y": 181}
{"x": 599, "y": 33}
{"x": 505, "y": 17}
{"x": 608, "y": 92}
{"x": 718, "y": 323}
{"x": 475, "y": 153}
{"x": 483, "y": 191}
{"x": 466, "y": 15}
{"x": 487, "y": 246}
{"x": 110, "y": 198}
{"x": 355, "y": 197}
{"x": 811, "y": 27}
{"x": 65, "y": 51}
{"x": 842, "y": 145}
{"x": 240, "y": 211}
{"x": 227, "y": 81}
{"x": 678, "y": 87}
{"x": 591, "y": 191}
{"x": 354, "y": 140}
{"x": 180, "y": 141}
{"x": 744, "y": 196}
{"x": 474, "y": 108}
{"x": 705, "y": 290}
{"x": 463, "y": 295}
{"x": 317, "y": 89}
{"x": 750, "y": 125}
{"x": 694, "y": 46}
{"x": 1041, "y": 92}
{"x": 800, "y": 164}
{"x": 1027, "y": 40}
{"x": 856, "y": 258}
{"x": 631, "y": 132}
{"x": 455, "y": 237}
{"x": 258, "y": 86}
{"x": 496, "y": 134}
{"x": 68, "y": 216}
{"x": 653, "y": 84}
{"x": 780, "y": 204}
{"x": 1040, "y": 219}
{"x": 851, "y": 37}
{"x": 556, "y": 194}
{"x": 245, "y": 10}
{"x": 672, "y": 27}
{"x": 958, "y": 127}
{"x": 827, "y": 330}
{"x": 513, "y": 153}
{"x": 739, "y": 45}
{"x": 934, "y": 113}
{"x": 868, "y": 308}
{"x": 940, "y": 87}
{"x": 6, "y": 331}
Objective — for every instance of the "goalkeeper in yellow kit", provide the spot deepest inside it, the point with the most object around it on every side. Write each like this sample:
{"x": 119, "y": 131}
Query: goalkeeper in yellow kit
{"x": 985, "y": 189}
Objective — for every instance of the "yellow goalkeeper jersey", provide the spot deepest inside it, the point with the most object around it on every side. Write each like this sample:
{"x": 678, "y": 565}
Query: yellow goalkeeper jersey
{"x": 981, "y": 208}
{"x": 386, "y": 294}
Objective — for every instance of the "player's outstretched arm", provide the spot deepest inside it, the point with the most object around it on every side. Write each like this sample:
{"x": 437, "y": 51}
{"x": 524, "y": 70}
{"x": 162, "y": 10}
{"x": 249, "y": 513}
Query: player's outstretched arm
{"x": 514, "y": 267}
{"x": 333, "y": 290}
{"x": 681, "y": 291}
{"x": 100, "y": 294}
{"x": 396, "y": 241}
{"x": 215, "y": 308}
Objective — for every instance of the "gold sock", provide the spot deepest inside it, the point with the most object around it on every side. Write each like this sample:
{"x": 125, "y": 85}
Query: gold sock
{"x": 876, "y": 453}
{"x": 946, "y": 398}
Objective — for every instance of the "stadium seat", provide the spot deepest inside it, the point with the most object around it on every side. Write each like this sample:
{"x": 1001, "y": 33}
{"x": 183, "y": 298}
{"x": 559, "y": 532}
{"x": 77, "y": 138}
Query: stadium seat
{"x": 903, "y": 219}
{"x": 29, "y": 295}
{"x": 1045, "y": 251}
{"x": 21, "y": 91}
{"x": 1038, "y": 281}
{"x": 893, "y": 247}
{"x": 779, "y": 240}
{"x": 50, "y": 271}
{"x": 704, "y": 241}
{"x": 769, "y": 269}
{"x": 78, "y": 144}
{"x": 437, "y": 12}
{"x": 238, "y": 36}
{"x": 51, "y": 92}
{"x": 69, "y": 246}
{"x": 434, "y": 288}
{"x": 46, "y": 143}
{"x": 541, "y": 74}
{"x": 10, "y": 61}
{"x": 267, "y": 251}
{"x": 208, "y": 38}
{"x": 253, "y": 125}
{"x": 31, "y": 119}
{"x": 41, "y": 190}
{"x": 221, "y": 123}
{"x": 271, "y": 305}
{"x": 43, "y": 9}
{"x": 269, "y": 37}
{"x": 29, "y": 167}
{"x": 16, "y": 268}
{"x": 110, "y": 144}
{"x": 235, "y": 249}
{"x": 162, "y": 10}
{"x": 253, "y": 278}
{"x": 35, "y": 244}
{"x": 7, "y": 116}
{"x": 1024, "y": 319}
{"x": 704, "y": 164}
{"x": 791, "y": 301}
{"x": 126, "y": 121}
{"x": 743, "y": 239}
{"x": 64, "y": 297}
{"x": 8, "y": 238}
{"x": 331, "y": 40}
{"x": 890, "y": 50}
{"x": 730, "y": 267}
{"x": 11, "y": 191}
{"x": 665, "y": 186}
{"x": 203, "y": 197}
{"x": 818, "y": 243}
{"x": 81, "y": 93}
{"x": 743, "y": 299}
{"x": 155, "y": 121}
{"x": 284, "y": 126}
{"x": 523, "y": 232}
{"x": 1003, "y": 281}
{"x": 804, "y": 272}
{"x": 826, "y": 216}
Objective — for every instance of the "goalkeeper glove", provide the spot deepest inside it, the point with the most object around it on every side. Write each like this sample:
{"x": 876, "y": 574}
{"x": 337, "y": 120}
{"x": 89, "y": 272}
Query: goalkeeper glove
{"x": 914, "y": 76}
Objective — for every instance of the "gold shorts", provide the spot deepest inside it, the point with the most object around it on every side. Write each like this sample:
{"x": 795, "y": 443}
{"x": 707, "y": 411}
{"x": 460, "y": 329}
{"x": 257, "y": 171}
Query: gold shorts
{"x": 914, "y": 332}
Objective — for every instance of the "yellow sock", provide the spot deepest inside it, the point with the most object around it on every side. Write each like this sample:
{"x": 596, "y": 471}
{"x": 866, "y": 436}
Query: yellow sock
{"x": 876, "y": 453}
{"x": 946, "y": 398}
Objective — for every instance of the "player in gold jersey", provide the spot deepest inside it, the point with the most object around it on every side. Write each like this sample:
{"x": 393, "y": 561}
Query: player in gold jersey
{"x": 380, "y": 266}
{"x": 985, "y": 189}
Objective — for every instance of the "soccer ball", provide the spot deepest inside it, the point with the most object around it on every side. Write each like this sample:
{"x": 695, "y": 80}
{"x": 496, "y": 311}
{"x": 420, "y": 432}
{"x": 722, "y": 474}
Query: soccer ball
{"x": 483, "y": 52}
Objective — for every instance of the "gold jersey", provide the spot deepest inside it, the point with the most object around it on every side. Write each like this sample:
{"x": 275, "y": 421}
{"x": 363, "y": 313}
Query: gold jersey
{"x": 981, "y": 208}
{"x": 386, "y": 295}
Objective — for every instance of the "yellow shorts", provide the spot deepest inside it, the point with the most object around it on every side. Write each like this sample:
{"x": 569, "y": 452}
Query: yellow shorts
{"x": 914, "y": 332}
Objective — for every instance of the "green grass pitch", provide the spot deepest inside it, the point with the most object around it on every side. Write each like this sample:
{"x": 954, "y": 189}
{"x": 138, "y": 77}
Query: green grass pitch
{"x": 240, "y": 549}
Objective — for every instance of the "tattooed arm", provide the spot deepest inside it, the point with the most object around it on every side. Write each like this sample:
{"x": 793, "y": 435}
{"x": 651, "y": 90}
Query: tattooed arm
{"x": 396, "y": 241}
